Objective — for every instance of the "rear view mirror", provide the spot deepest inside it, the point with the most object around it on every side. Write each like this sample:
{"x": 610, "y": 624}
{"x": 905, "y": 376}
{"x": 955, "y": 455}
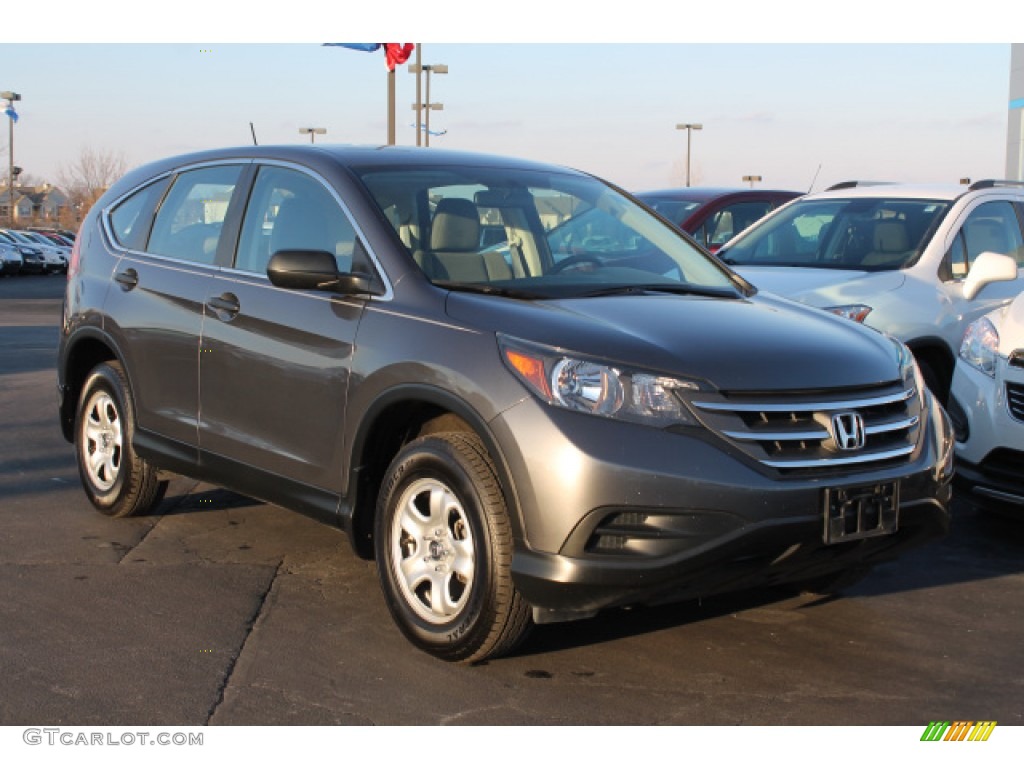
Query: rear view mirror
{"x": 302, "y": 269}
{"x": 316, "y": 271}
{"x": 988, "y": 268}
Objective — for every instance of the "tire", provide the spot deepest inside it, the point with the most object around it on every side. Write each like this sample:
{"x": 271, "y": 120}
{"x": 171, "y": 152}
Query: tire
{"x": 117, "y": 481}
{"x": 443, "y": 545}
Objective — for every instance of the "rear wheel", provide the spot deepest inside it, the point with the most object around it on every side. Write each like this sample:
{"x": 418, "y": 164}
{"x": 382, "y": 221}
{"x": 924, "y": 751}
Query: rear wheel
{"x": 117, "y": 481}
{"x": 444, "y": 550}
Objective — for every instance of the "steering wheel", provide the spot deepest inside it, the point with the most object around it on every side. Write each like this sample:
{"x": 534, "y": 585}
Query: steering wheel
{"x": 574, "y": 262}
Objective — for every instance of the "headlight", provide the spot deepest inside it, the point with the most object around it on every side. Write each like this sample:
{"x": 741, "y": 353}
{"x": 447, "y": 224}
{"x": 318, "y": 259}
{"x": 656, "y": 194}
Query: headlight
{"x": 591, "y": 386}
{"x": 856, "y": 312}
{"x": 910, "y": 372}
{"x": 980, "y": 346}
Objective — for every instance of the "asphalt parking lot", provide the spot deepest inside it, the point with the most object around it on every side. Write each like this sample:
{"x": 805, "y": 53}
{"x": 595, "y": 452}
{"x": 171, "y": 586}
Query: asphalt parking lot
{"x": 223, "y": 610}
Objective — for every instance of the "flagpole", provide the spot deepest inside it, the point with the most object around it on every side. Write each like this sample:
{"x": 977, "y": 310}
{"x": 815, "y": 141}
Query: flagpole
{"x": 419, "y": 97}
{"x": 391, "y": 107}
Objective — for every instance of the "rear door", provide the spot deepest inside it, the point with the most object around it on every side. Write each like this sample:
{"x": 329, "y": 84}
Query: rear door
{"x": 159, "y": 289}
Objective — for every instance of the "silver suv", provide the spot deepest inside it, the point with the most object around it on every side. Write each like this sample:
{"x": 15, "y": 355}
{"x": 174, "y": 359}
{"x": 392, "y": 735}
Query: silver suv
{"x": 918, "y": 262}
{"x": 582, "y": 410}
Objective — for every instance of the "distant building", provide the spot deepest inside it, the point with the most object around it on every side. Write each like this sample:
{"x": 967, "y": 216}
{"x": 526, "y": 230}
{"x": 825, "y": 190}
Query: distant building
{"x": 44, "y": 203}
{"x": 22, "y": 205}
{"x": 1015, "y": 124}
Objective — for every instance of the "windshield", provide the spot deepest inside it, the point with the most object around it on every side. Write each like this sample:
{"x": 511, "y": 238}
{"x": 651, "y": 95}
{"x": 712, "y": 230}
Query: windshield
{"x": 673, "y": 210}
{"x": 537, "y": 234}
{"x": 858, "y": 233}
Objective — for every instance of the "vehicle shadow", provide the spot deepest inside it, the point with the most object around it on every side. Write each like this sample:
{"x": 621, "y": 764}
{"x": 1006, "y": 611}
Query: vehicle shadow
{"x": 981, "y": 546}
{"x": 188, "y": 496}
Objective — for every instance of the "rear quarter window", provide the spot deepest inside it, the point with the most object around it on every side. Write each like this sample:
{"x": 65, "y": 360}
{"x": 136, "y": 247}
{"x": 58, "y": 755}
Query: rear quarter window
{"x": 130, "y": 219}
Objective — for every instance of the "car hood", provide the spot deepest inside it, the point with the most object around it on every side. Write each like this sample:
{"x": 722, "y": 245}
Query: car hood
{"x": 756, "y": 343}
{"x": 822, "y": 287}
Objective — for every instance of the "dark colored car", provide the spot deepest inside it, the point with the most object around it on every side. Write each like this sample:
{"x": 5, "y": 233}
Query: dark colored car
{"x": 593, "y": 413}
{"x": 33, "y": 261}
{"x": 713, "y": 215}
{"x": 11, "y": 259}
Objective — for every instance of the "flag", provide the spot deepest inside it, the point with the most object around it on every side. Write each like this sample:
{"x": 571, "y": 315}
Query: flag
{"x": 394, "y": 53}
{"x": 398, "y": 53}
{"x": 9, "y": 111}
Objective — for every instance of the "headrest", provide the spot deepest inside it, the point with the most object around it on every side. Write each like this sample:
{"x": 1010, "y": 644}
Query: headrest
{"x": 891, "y": 237}
{"x": 456, "y": 226}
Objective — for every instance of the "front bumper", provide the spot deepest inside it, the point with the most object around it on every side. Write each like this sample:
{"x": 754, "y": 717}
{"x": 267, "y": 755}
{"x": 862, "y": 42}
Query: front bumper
{"x": 990, "y": 448}
{"x": 625, "y": 515}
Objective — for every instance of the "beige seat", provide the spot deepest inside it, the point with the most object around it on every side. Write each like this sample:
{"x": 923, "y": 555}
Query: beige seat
{"x": 890, "y": 243}
{"x": 455, "y": 245}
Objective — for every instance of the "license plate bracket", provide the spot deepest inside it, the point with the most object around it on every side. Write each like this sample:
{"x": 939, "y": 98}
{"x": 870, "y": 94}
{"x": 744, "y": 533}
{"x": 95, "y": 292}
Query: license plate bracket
{"x": 861, "y": 512}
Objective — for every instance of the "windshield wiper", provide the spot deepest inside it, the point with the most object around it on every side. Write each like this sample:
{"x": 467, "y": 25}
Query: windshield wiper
{"x": 676, "y": 288}
{"x": 489, "y": 289}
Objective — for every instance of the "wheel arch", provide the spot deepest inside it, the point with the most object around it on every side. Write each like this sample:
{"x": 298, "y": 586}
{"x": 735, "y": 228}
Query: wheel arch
{"x": 395, "y": 419}
{"x": 934, "y": 353}
{"x": 81, "y": 353}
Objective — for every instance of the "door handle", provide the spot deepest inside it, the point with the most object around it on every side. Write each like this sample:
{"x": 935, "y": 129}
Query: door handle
{"x": 225, "y": 306}
{"x": 127, "y": 279}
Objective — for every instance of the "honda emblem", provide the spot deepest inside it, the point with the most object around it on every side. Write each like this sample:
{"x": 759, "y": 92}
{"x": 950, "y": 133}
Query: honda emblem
{"x": 847, "y": 430}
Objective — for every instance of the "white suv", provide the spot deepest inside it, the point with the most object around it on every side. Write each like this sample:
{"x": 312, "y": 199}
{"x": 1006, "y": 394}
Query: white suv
{"x": 987, "y": 408}
{"x": 918, "y": 262}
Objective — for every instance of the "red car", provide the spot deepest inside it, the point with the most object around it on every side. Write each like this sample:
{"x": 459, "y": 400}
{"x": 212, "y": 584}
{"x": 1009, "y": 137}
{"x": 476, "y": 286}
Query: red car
{"x": 713, "y": 215}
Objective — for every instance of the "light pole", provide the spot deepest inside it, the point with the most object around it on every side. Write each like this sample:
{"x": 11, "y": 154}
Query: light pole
{"x": 11, "y": 97}
{"x": 752, "y": 179}
{"x": 689, "y": 128}
{"x": 439, "y": 69}
{"x": 313, "y": 132}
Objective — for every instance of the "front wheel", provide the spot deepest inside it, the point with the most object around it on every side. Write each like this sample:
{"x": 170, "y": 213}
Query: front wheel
{"x": 117, "y": 481}
{"x": 444, "y": 550}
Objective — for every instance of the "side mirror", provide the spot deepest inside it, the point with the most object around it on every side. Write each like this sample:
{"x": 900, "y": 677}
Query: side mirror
{"x": 315, "y": 271}
{"x": 989, "y": 267}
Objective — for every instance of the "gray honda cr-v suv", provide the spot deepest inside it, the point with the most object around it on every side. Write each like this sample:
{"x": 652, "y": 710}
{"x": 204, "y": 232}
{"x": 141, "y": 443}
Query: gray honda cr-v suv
{"x": 523, "y": 393}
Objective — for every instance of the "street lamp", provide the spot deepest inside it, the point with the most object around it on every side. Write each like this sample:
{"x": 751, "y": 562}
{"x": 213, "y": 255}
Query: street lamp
{"x": 11, "y": 97}
{"x": 689, "y": 128}
{"x": 752, "y": 179}
{"x": 313, "y": 132}
{"x": 439, "y": 69}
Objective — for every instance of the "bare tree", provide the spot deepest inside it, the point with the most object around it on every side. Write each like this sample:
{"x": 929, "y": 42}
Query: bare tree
{"x": 89, "y": 176}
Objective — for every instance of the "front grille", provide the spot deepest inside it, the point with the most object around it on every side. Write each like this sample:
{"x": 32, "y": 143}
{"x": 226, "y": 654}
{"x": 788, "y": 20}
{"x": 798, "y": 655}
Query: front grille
{"x": 1015, "y": 400}
{"x": 818, "y": 431}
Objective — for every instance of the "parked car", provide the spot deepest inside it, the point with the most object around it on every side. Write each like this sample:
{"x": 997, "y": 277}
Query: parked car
{"x": 33, "y": 261}
{"x": 987, "y": 409}
{"x": 517, "y": 439}
{"x": 715, "y": 215}
{"x": 56, "y": 255}
{"x": 915, "y": 261}
{"x": 10, "y": 259}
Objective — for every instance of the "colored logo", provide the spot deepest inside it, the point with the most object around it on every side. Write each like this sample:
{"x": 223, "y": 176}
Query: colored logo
{"x": 960, "y": 730}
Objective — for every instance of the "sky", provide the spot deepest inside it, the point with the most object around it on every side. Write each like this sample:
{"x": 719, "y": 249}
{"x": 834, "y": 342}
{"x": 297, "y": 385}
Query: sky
{"x": 776, "y": 98}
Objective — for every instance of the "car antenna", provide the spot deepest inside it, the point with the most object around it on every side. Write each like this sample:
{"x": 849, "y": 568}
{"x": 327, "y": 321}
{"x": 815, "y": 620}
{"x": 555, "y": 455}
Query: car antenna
{"x": 251, "y": 128}
{"x": 814, "y": 179}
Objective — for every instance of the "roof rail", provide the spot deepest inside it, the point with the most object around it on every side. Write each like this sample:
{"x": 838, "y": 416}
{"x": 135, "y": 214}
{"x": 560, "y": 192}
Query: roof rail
{"x": 989, "y": 183}
{"x": 851, "y": 184}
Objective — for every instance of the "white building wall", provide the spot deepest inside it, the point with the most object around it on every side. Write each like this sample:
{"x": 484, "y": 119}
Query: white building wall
{"x": 1015, "y": 122}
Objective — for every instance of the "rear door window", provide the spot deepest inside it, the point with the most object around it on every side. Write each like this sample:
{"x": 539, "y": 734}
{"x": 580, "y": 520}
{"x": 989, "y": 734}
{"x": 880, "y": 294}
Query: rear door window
{"x": 189, "y": 223}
